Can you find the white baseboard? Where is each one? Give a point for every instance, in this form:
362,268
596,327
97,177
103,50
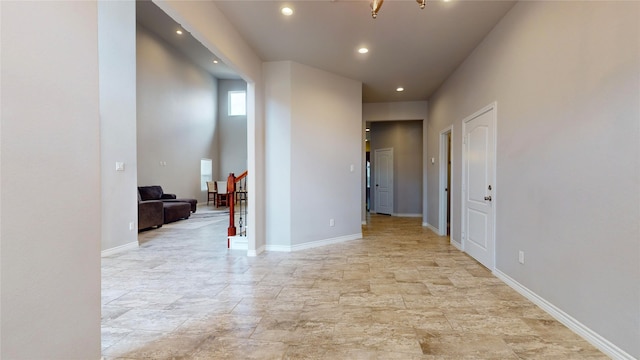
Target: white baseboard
431,227
118,249
256,252
455,244
314,244
407,215
576,326
238,243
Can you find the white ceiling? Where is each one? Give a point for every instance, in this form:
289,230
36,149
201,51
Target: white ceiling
409,47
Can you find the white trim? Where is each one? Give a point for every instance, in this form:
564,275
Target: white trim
238,243
456,244
118,249
576,326
314,244
407,215
254,253
364,222
444,165
431,227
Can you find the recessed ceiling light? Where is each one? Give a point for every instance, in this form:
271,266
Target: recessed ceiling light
400,89
363,50
286,11
215,61
179,32
367,129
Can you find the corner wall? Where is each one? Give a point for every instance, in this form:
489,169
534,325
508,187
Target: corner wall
117,62
50,166
314,156
566,78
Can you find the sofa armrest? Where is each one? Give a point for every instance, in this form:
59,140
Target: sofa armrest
168,196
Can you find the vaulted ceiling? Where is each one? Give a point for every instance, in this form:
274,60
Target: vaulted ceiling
409,47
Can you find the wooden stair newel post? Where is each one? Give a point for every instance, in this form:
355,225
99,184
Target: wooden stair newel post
231,189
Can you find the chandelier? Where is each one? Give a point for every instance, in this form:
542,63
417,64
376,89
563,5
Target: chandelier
377,4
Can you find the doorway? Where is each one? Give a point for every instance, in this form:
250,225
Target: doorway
444,225
383,180
478,185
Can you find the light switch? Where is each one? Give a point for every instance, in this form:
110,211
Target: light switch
433,160
352,168
119,166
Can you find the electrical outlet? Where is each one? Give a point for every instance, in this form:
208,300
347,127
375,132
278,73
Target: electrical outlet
131,225
332,222
521,257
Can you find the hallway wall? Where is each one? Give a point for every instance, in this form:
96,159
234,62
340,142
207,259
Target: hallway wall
565,76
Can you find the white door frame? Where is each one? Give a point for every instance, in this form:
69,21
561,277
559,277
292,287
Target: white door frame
375,179
444,162
493,106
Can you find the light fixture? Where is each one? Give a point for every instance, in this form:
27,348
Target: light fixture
215,61
400,89
367,129
377,4
179,32
286,11
363,50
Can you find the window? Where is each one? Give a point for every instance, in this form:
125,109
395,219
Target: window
237,103
206,173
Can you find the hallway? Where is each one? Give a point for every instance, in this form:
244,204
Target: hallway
400,293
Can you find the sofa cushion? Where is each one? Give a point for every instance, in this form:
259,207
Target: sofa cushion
153,192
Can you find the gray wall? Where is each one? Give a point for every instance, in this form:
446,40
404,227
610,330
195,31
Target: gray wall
565,78
177,106
405,137
117,54
50,175
313,153
232,132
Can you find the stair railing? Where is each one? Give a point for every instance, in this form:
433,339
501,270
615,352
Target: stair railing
237,189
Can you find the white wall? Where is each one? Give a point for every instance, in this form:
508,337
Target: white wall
177,110
207,24
565,76
232,132
50,146
117,61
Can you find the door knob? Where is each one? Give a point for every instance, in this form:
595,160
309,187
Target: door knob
488,198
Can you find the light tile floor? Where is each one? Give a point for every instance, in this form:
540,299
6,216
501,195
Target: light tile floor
400,293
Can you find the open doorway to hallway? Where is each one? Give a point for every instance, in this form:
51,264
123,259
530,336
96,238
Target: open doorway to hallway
444,224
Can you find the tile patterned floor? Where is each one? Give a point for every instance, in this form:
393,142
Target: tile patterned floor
400,293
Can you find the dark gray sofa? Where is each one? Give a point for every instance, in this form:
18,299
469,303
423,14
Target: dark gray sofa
155,192
150,213
156,208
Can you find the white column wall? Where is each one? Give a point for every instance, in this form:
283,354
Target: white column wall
50,166
277,76
117,61
325,155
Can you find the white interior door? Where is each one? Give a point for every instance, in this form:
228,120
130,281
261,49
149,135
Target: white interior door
478,186
383,180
